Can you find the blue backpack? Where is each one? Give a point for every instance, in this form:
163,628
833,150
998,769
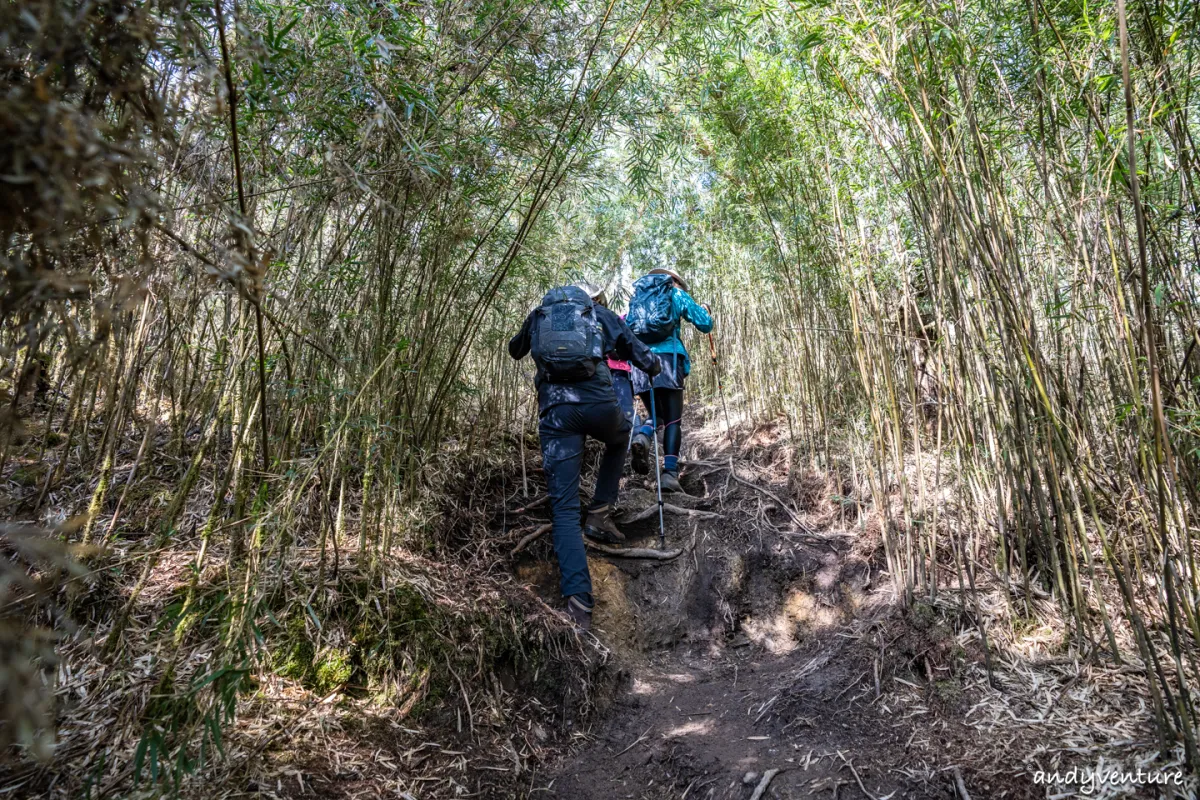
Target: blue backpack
567,345
651,314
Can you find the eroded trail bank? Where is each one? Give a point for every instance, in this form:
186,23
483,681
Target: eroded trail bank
752,656
773,659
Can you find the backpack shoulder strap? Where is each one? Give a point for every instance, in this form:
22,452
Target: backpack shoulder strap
670,295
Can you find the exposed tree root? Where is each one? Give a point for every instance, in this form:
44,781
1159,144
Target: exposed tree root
636,552
537,533
650,511
794,516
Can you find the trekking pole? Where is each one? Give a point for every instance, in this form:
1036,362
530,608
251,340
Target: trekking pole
712,349
662,528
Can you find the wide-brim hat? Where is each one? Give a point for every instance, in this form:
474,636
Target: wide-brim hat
595,292
674,275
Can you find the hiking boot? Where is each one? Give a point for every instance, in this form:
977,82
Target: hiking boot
600,526
639,454
670,482
579,612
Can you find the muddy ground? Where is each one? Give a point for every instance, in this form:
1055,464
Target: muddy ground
767,648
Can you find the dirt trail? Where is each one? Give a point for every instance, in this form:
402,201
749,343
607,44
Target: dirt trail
758,649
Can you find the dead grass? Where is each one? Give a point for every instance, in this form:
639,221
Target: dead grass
1049,703
366,675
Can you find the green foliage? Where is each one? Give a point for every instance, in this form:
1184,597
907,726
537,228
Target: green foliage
168,751
293,656
915,223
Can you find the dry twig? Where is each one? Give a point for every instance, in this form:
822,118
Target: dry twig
857,779
531,505
635,742
767,777
960,785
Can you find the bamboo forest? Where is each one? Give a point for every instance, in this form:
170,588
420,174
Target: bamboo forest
588,399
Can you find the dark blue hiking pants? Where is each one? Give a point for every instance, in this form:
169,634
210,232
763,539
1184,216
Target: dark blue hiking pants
563,430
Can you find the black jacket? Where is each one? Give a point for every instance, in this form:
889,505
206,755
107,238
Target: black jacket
617,339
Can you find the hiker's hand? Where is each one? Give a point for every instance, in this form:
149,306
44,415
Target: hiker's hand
657,367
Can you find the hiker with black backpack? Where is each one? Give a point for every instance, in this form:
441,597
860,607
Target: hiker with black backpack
621,371
660,300
569,336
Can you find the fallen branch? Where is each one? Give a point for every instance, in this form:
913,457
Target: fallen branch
960,784
767,777
530,506
537,532
857,779
635,552
650,511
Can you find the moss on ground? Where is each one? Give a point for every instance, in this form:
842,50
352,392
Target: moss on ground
332,670
949,691
923,615
406,647
29,475
294,656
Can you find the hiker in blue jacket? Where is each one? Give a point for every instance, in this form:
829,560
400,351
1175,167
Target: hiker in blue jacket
660,300
569,336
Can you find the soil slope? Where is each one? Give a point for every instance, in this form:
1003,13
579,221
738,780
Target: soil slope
758,652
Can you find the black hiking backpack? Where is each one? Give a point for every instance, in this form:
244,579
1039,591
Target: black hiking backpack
567,344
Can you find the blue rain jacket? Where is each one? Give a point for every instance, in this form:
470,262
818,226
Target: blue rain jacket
685,308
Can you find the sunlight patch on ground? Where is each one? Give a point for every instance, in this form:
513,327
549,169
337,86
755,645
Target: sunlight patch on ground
641,687
698,727
615,615
808,612
801,613
775,635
